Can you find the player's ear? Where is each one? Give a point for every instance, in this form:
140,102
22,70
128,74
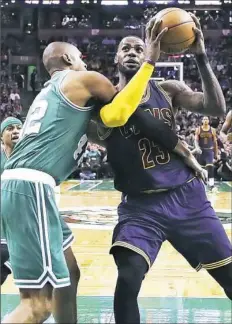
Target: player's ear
67,59
116,59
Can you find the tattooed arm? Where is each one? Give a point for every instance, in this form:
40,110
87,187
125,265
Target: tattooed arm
209,102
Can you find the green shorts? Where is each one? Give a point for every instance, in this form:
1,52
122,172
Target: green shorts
36,235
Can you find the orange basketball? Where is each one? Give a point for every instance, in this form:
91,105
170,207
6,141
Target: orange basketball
180,35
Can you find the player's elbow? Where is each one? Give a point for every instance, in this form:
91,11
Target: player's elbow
218,109
112,117
221,108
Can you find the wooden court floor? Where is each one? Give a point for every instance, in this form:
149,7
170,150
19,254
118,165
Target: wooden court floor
90,209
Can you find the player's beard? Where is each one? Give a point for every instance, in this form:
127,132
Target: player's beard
128,72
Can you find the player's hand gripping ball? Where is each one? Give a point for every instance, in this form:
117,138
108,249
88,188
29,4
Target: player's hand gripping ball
181,30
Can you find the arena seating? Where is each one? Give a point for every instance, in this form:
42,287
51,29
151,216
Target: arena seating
99,54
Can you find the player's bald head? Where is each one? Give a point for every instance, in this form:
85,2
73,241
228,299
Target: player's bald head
61,55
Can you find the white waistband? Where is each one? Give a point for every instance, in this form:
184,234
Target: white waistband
28,175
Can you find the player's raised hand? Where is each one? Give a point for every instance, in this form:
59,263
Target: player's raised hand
198,47
153,39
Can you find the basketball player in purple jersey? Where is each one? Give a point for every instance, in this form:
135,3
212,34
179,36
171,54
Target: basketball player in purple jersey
161,197
207,147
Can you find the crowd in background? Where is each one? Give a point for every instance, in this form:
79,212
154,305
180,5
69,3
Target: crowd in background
127,20
99,55
83,18
10,103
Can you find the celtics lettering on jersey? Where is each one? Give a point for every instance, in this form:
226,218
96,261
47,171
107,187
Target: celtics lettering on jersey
53,138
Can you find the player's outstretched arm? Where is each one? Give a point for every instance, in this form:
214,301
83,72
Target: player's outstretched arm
211,101
119,106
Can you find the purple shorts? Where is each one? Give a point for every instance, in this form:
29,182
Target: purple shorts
183,216
206,158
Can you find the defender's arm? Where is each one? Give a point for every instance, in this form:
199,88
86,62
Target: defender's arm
123,105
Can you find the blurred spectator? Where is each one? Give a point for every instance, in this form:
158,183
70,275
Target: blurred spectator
14,95
223,167
86,171
33,80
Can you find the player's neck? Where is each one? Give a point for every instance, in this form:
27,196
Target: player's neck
123,80
206,127
8,150
52,72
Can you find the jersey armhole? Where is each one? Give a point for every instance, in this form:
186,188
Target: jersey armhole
165,94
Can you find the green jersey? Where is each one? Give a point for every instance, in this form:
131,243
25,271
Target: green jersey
4,158
53,137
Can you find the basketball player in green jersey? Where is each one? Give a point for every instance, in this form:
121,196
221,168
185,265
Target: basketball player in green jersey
52,144
10,128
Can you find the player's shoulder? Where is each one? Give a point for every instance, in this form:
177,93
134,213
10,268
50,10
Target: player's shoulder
76,81
87,79
87,75
173,87
76,75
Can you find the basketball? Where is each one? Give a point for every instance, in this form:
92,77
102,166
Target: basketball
180,34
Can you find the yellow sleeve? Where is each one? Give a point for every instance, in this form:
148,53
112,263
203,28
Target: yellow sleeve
126,102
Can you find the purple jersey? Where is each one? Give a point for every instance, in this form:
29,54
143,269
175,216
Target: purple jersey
139,164
206,140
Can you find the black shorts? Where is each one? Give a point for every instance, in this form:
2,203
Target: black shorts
5,270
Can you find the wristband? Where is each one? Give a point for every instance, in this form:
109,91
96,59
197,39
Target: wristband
150,62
